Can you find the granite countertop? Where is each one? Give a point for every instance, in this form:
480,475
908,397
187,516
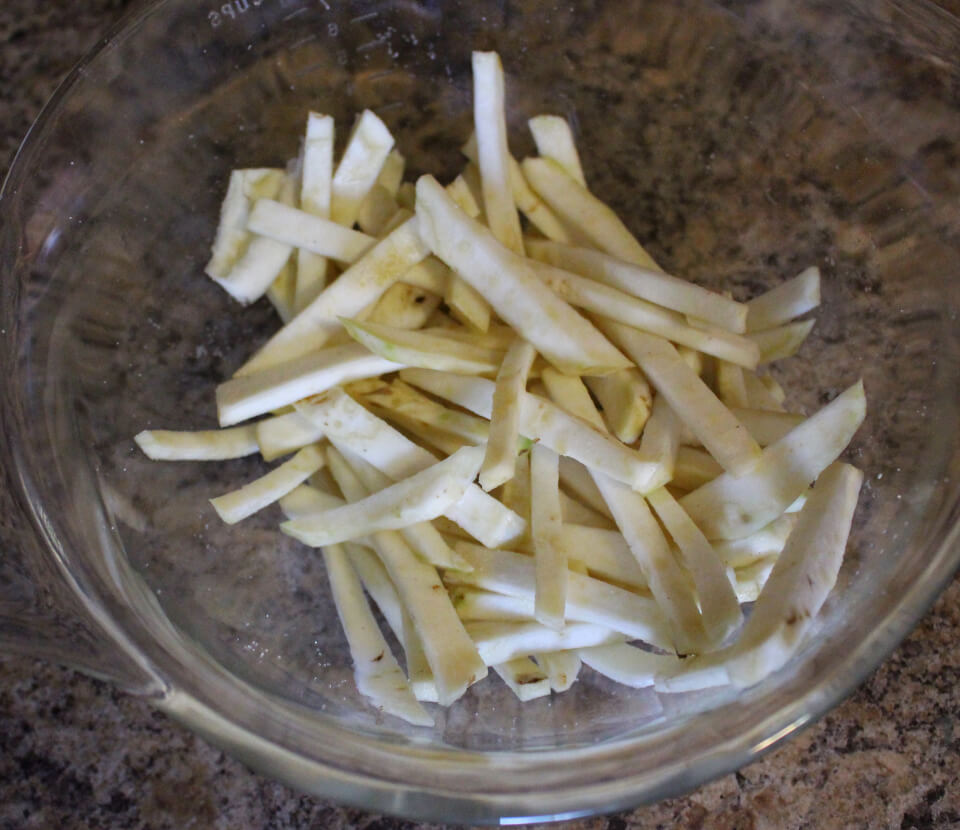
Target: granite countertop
76,753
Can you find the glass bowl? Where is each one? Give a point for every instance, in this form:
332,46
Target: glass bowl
741,142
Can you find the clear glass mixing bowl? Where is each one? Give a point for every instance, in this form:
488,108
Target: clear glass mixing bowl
741,141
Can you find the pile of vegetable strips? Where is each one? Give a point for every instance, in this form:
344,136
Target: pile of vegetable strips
501,421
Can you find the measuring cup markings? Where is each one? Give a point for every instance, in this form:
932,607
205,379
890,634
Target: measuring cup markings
233,9
294,14
303,41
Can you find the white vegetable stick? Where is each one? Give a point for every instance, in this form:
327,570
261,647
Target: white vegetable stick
348,423
660,441
391,174
239,504
466,303
763,543
256,270
694,468
577,479
418,667
471,177
576,512
422,536
475,604
570,394
499,642
404,307
283,434
496,337
783,341
262,262
306,500
610,302
625,399
427,543
661,571
262,182
729,507
204,445
463,197
377,583
419,498
540,216
291,226
647,283
535,209
364,434
720,610
627,664
731,388
692,675
406,196
493,156
323,480
377,674
690,398
578,207
431,275
361,163
588,599
767,427
444,442
663,574
697,360
774,388
355,289
546,523
499,462
562,668
515,493
282,292
788,300
359,287
315,190
418,348
232,237
315,195
402,399
399,218
577,567
452,657
800,580
378,208
285,383
506,281
759,395
554,140
749,579
524,677
543,421
606,555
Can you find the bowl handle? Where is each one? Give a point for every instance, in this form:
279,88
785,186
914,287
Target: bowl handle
42,615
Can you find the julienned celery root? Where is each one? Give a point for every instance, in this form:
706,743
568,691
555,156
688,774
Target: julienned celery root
493,413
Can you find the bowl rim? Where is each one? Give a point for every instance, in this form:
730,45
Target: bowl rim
183,701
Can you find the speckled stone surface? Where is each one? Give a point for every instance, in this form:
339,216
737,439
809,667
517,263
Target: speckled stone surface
75,753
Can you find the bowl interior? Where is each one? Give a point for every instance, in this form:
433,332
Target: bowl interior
733,160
